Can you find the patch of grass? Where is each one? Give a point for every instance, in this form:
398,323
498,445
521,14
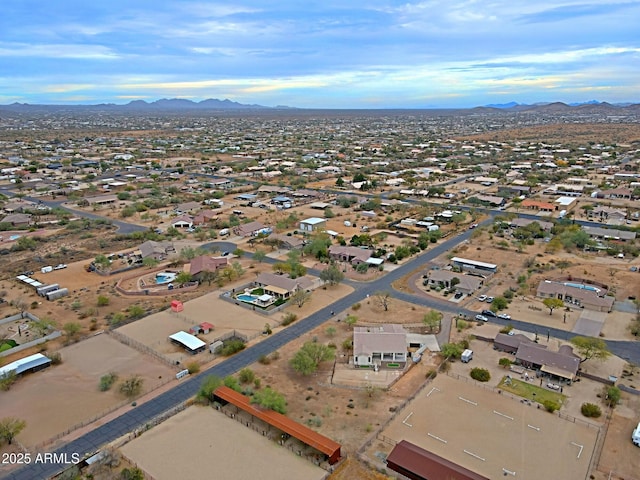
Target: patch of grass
527,390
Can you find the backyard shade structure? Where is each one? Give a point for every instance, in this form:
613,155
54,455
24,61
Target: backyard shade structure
189,342
32,363
321,443
419,464
177,306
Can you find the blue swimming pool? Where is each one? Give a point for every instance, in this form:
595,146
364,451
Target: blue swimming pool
247,298
165,277
582,286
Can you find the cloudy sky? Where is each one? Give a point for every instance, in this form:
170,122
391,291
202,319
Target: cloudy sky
325,54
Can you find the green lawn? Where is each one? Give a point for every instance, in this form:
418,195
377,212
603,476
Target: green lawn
527,389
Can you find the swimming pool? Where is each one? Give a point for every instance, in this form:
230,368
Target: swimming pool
245,297
165,277
582,286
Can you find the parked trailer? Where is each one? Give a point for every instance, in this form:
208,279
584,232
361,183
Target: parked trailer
61,292
42,291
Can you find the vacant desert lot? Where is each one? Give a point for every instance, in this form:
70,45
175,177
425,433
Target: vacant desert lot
54,400
201,442
486,433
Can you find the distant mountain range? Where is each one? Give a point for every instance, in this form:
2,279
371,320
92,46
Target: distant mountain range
182,105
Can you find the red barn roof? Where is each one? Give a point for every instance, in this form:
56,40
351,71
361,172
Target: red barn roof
304,434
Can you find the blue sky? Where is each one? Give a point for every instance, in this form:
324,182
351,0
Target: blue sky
320,54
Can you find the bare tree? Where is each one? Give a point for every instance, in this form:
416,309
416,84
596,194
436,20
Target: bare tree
384,299
300,298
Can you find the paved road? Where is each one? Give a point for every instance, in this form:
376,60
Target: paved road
123,227
92,441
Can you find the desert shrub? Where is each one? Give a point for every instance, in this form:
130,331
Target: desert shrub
550,406
103,301
355,307
232,346
107,381
264,360
55,357
612,396
193,367
590,410
132,386
289,318
431,374
7,380
246,375
480,374
506,329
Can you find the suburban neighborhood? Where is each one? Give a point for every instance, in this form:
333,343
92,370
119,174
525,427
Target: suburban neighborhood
363,295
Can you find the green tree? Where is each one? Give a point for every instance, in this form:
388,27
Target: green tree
451,350
207,387
10,427
499,303
308,358
612,396
332,275
26,243
432,319
259,256
351,320
133,473
183,277
589,347
480,374
43,326
552,304
504,362
270,399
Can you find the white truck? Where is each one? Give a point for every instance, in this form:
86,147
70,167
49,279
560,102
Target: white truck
466,356
635,436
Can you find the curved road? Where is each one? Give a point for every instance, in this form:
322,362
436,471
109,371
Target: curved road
93,440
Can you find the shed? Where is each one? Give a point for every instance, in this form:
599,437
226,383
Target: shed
177,306
32,363
206,327
190,343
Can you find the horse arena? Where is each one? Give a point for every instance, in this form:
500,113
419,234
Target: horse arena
492,434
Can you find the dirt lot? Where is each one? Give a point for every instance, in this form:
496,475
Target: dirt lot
486,433
220,444
53,400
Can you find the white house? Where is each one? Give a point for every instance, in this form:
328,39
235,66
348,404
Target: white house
382,345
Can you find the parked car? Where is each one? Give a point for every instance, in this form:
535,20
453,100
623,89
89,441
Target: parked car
506,316
489,299
481,318
60,266
482,298
224,254
472,226
458,295
488,313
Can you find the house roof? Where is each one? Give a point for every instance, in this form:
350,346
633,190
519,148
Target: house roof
513,341
205,263
561,360
523,222
17,218
425,464
610,233
354,253
182,219
537,204
281,422
293,242
151,247
466,281
381,338
284,282
585,296
248,228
